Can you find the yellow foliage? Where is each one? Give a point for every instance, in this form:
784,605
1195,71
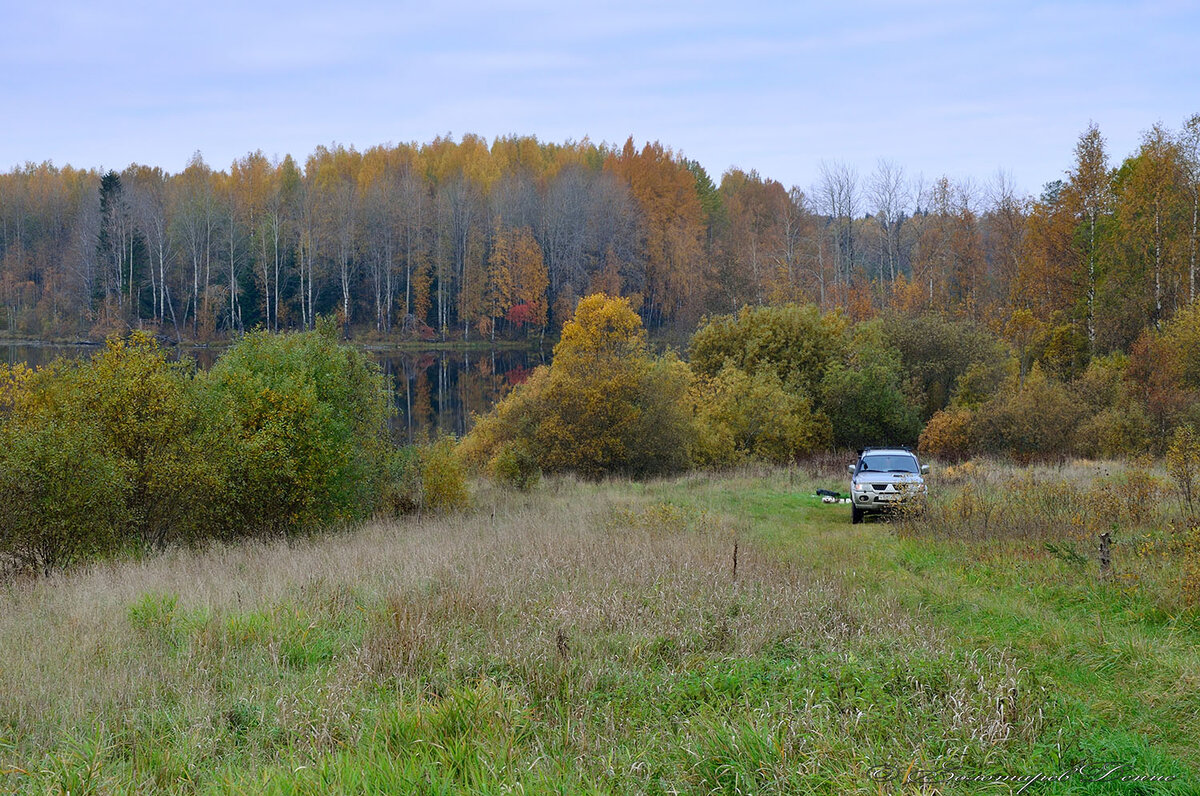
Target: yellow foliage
428,477
605,405
443,479
947,435
958,473
14,386
739,416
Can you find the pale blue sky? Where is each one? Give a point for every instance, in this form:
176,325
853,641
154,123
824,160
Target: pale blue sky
957,88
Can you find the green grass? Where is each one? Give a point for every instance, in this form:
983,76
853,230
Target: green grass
594,639
1121,667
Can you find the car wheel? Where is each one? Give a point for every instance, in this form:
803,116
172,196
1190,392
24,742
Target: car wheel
856,515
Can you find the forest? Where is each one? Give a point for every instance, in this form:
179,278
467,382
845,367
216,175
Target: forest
466,240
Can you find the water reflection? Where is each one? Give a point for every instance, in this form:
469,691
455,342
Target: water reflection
436,392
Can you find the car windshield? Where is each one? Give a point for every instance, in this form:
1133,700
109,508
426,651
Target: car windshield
888,464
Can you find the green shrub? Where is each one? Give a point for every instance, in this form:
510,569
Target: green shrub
796,342
864,397
284,433
1033,420
937,352
304,421
1102,383
140,411
62,496
1115,432
981,381
739,416
514,465
429,477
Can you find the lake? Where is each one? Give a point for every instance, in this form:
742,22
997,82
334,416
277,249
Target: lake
436,392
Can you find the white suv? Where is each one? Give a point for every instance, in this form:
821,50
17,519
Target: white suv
883,479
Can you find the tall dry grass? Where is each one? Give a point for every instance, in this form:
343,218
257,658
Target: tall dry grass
571,606
991,501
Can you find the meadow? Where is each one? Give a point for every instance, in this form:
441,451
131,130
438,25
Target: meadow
707,633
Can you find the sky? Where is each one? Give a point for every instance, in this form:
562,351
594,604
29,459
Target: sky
962,89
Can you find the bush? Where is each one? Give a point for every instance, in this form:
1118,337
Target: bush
1102,384
1183,464
285,433
863,397
936,352
947,435
62,497
443,478
14,386
603,406
513,419
982,380
428,477
739,416
402,490
514,465
1034,420
1116,431
304,425
146,413
140,411
797,343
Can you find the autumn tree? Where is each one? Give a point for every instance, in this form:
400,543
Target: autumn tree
1004,230
498,292
118,246
193,209
1045,283
408,230
754,248
1149,227
336,184
672,225
1189,149
603,406
1087,197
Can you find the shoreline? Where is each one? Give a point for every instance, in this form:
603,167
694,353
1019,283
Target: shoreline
380,346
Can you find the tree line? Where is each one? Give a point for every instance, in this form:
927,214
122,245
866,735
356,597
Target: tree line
462,239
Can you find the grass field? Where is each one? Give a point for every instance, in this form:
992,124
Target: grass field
597,639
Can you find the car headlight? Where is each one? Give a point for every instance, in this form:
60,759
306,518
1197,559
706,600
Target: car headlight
859,487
